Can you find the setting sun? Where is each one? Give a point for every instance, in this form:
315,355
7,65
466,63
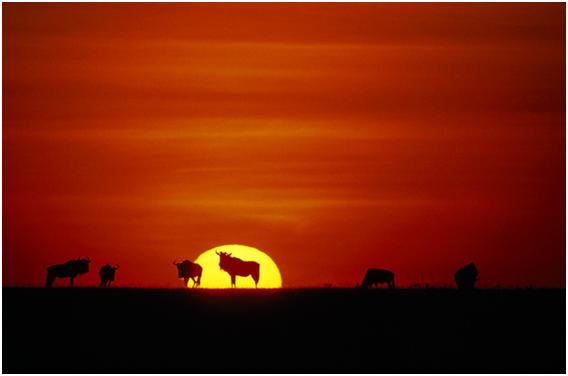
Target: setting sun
214,277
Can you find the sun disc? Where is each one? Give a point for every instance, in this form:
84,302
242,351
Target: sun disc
215,278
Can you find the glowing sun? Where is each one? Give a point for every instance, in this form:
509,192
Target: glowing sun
215,278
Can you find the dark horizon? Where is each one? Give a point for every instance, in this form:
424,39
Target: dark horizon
284,331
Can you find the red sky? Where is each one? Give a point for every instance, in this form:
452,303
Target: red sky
413,137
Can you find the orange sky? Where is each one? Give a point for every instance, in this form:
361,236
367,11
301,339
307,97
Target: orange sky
414,137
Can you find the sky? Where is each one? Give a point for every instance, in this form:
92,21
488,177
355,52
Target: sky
333,137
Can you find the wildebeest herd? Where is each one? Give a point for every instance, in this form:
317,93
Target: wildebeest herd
465,277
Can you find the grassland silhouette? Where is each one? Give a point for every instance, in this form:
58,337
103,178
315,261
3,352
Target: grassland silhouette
305,330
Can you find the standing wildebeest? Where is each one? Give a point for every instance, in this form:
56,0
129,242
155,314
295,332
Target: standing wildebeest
378,276
70,270
466,277
237,267
107,274
189,270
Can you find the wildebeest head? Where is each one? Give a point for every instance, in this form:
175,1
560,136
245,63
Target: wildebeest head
225,259
82,265
467,276
108,268
183,268
471,268
469,271
108,272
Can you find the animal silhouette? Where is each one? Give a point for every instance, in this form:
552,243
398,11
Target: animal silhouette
107,274
237,267
466,277
377,276
70,269
189,270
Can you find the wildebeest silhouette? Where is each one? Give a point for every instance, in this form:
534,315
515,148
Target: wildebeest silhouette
70,269
189,270
107,274
237,267
466,277
378,276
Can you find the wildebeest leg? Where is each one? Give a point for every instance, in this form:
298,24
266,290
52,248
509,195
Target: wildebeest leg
108,283
71,281
233,280
185,280
49,280
256,276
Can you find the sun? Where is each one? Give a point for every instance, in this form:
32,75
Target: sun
215,278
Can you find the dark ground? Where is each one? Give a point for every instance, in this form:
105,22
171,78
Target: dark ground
329,330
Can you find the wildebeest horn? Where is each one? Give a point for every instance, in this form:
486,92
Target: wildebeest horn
229,253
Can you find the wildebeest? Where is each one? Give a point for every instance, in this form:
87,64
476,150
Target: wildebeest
189,270
70,269
378,276
107,274
237,267
466,277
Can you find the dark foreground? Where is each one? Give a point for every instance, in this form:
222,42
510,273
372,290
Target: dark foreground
353,331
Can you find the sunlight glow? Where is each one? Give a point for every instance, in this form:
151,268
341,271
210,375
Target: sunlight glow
214,277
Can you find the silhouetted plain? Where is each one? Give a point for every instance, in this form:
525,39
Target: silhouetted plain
328,330
189,270
107,274
466,277
70,269
375,277
237,267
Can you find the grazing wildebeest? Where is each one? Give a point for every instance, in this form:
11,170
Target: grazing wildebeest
466,277
237,267
378,276
107,274
189,270
70,270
